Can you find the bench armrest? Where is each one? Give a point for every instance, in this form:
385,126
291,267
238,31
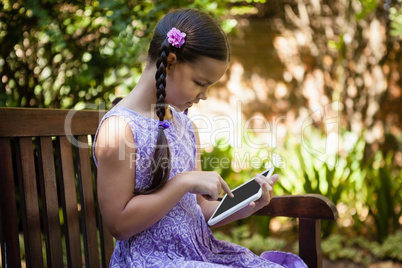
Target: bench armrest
307,206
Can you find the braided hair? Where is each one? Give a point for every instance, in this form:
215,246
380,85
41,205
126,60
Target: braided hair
204,37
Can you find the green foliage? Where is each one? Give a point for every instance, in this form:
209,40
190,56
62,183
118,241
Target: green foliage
329,174
390,248
384,187
395,15
341,247
65,54
368,6
60,54
367,187
360,250
219,159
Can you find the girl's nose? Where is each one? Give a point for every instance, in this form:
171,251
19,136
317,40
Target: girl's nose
202,95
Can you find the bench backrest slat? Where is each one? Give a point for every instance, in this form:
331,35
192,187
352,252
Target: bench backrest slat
48,187
69,202
8,208
29,203
87,202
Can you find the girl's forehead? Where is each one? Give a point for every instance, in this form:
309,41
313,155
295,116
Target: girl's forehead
211,69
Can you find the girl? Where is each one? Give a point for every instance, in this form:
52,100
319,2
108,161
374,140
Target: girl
154,198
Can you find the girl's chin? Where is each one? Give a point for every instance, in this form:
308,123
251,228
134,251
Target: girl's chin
184,106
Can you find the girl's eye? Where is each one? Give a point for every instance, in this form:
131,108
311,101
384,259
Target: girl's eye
198,84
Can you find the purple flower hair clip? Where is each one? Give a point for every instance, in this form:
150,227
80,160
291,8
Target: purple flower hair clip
175,37
163,125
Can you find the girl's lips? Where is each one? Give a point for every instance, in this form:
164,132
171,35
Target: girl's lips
191,103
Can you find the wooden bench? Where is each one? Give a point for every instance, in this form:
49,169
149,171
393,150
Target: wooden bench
48,210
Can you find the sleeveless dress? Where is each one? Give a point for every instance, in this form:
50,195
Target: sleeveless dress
181,238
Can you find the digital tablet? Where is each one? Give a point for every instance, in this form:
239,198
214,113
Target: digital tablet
244,194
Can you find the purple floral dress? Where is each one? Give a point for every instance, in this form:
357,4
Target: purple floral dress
182,237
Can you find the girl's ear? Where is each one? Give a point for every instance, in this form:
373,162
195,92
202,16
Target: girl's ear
172,60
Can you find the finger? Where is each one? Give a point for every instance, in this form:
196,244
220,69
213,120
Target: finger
267,192
271,193
270,188
262,177
226,188
275,178
262,182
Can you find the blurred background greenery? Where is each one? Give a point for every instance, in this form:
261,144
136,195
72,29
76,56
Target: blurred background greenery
290,59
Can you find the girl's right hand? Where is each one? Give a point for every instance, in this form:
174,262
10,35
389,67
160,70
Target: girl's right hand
209,184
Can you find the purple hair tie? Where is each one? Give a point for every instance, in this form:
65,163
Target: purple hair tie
163,125
175,37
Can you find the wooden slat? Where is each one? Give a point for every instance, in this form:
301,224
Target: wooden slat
10,247
50,205
47,122
310,242
309,206
29,206
69,203
87,205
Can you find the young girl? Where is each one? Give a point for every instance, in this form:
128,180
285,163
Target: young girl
154,198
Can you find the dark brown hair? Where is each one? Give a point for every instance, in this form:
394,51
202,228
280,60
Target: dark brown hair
204,37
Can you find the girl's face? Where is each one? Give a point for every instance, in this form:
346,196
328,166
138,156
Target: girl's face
187,83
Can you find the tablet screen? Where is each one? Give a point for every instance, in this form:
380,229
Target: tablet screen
240,194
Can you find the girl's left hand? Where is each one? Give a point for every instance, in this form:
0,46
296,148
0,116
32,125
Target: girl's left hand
267,185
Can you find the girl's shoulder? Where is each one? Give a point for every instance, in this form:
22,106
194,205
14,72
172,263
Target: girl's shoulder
131,117
125,112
